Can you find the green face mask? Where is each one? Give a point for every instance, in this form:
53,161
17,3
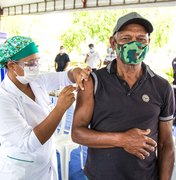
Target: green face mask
132,53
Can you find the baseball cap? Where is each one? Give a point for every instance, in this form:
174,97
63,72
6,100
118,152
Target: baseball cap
130,18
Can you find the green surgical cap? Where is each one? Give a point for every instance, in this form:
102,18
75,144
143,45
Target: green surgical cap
16,48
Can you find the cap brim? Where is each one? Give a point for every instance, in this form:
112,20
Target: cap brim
148,26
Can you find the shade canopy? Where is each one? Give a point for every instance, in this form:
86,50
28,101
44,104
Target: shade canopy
18,7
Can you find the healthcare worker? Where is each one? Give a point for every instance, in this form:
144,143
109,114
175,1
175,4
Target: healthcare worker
27,116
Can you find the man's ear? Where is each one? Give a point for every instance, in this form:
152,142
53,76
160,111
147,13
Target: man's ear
112,42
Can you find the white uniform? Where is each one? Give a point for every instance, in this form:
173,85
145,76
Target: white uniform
93,60
22,156
110,57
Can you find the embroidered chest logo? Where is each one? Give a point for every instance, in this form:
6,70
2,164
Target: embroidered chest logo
145,98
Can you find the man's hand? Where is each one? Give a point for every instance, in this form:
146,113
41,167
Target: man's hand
138,143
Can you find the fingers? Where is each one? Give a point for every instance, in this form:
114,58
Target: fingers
66,97
67,93
68,89
149,148
84,74
145,132
79,82
151,142
139,143
148,140
146,149
142,154
145,152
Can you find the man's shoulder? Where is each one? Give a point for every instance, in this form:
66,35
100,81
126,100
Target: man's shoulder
174,59
159,80
57,56
101,71
65,54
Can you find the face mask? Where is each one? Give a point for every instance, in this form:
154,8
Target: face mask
62,51
132,53
91,50
110,50
30,74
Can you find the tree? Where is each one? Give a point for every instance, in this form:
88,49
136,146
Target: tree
98,25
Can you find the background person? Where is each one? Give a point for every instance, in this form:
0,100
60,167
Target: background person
174,71
62,60
129,110
110,56
93,59
28,118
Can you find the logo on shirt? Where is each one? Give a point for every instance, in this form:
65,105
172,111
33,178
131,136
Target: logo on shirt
145,98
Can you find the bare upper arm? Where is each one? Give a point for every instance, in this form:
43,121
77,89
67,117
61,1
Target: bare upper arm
84,105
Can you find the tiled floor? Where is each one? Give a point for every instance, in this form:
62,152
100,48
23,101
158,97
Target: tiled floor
75,171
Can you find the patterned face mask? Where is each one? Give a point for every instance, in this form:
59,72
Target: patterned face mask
132,53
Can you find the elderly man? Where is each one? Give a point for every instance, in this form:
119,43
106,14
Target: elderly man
130,111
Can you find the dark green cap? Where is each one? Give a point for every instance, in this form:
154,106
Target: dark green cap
130,18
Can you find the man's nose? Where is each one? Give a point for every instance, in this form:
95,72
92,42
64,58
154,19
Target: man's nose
134,38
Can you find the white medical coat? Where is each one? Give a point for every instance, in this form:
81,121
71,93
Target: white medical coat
22,156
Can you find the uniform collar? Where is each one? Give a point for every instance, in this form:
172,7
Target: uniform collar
111,68
11,88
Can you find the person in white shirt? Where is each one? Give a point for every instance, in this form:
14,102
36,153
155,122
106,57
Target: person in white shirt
93,58
28,118
110,56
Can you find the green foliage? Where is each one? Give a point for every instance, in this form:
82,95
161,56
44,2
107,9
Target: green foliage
50,31
98,25
72,39
170,74
163,27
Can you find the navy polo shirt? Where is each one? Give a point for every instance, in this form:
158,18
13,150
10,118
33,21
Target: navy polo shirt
61,60
118,108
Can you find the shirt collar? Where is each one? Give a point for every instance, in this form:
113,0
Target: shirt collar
111,68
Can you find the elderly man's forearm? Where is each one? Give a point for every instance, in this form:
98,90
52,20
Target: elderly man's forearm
166,162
